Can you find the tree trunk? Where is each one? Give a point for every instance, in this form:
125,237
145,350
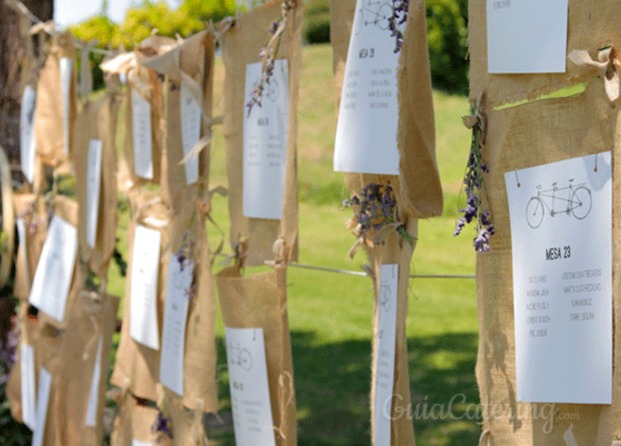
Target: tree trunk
11,52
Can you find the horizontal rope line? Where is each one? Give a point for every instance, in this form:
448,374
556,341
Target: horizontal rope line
363,274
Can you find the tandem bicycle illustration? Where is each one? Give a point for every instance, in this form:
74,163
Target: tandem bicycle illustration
574,200
240,356
374,13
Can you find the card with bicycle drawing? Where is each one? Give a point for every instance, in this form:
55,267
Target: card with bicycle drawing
178,295
526,36
52,280
250,393
28,386
561,239
141,134
143,299
266,130
366,133
191,119
93,187
385,351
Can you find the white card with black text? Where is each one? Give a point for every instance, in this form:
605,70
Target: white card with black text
561,238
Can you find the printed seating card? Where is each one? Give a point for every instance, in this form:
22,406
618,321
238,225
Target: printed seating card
21,234
26,133
175,318
141,132
191,119
93,186
250,395
52,280
27,369
561,237
93,396
366,132
266,130
526,36
140,443
143,299
66,65
43,398
385,351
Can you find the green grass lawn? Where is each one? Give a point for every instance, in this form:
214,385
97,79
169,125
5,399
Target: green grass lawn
331,314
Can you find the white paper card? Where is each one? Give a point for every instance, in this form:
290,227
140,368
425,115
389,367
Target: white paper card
385,348
266,131
93,187
141,133
526,36
366,132
43,398
93,396
27,368
561,236
250,396
21,233
175,317
26,133
140,443
143,298
52,280
65,90
191,118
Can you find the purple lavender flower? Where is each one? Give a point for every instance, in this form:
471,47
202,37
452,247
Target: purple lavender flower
474,186
396,22
162,425
375,208
185,254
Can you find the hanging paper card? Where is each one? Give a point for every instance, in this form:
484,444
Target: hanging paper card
526,36
26,127
43,398
50,287
385,348
143,298
141,126
366,133
175,316
27,369
65,90
562,280
93,186
93,396
141,443
191,119
265,143
250,396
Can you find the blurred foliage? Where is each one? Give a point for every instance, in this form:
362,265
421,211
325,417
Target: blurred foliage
447,33
317,21
140,21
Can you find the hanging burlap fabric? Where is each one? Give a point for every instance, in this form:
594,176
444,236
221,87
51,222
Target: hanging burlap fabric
241,45
31,218
85,347
187,426
96,132
526,135
137,366
260,301
56,104
134,423
416,189
188,68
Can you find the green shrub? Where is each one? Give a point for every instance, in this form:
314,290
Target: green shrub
447,32
317,21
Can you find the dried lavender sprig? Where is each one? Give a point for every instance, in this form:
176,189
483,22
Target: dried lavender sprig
375,209
268,55
396,22
186,253
162,425
474,186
